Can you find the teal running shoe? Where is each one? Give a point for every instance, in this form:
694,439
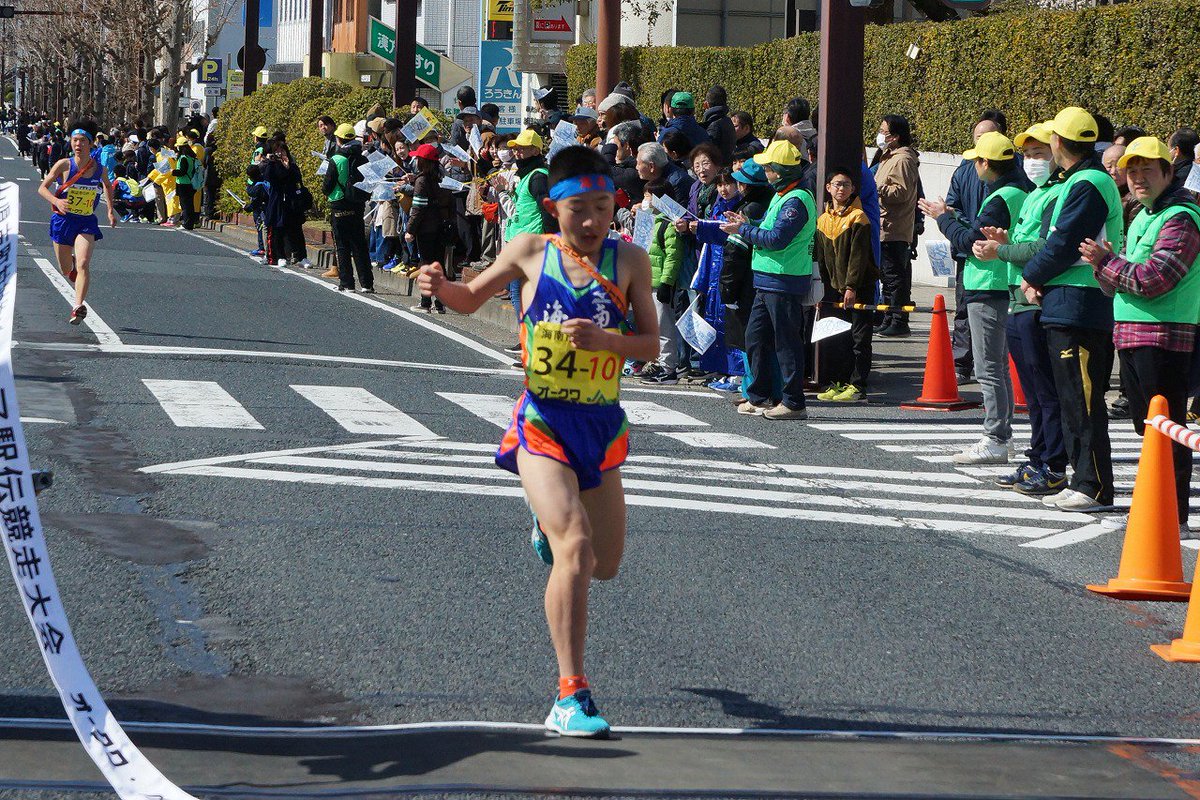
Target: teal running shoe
577,715
541,545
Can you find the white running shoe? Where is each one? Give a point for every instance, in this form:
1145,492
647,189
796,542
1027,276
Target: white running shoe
1071,500
281,262
306,264
985,451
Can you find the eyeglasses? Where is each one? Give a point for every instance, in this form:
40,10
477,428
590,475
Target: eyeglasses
841,184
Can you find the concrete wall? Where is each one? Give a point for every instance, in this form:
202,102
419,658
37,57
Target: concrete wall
936,171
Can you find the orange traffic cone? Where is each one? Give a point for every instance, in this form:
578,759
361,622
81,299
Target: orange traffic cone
1019,404
939,392
1151,561
1187,648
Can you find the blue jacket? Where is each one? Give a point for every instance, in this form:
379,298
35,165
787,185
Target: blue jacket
868,195
965,194
792,218
1083,215
680,182
688,126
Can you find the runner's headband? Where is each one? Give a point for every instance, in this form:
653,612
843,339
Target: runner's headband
581,184
82,132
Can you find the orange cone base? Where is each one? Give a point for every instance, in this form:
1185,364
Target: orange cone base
921,404
1178,650
1141,589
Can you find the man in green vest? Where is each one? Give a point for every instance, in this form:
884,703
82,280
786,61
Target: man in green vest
185,174
1076,314
782,264
1157,295
529,198
1044,470
259,135
346,204
985,288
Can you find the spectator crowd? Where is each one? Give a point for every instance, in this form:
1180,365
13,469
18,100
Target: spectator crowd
1074,244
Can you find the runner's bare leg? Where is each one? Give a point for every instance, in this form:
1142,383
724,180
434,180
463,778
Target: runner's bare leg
84,244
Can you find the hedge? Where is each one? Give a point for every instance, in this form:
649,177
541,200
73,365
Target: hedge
292,108
1134,63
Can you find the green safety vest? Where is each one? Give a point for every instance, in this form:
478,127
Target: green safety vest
527,215
1182,303
1080,273
992,276
255,157
342,165
796,258
1028,227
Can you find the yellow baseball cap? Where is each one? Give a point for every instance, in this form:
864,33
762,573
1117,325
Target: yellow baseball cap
994,146
1075,124
1037,131
181,142
259,133
526,138
1145,147
344,131
780,152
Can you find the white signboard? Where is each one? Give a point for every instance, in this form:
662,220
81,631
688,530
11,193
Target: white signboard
554,23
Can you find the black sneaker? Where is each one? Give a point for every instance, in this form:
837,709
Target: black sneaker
1120,408
665,378
695,375
1022,474
651,371
366,290
513,350
897,330
1043,483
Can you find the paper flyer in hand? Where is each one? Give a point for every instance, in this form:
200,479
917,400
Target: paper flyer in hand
323,168
452,185
417,129
667,205
695,329
826,327
476,140
643,229
456,151
321,156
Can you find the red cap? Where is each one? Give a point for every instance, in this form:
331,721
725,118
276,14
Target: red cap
426,151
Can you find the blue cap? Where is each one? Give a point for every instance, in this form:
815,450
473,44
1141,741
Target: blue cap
751,174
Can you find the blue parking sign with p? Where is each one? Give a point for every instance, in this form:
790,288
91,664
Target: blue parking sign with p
211,70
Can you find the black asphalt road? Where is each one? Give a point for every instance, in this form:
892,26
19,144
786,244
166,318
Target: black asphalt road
392,581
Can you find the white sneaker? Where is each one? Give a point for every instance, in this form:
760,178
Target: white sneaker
306,264
281,262
1051,500
985,451
1118,522
1071,500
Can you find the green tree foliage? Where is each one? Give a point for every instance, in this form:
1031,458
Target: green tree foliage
1134,63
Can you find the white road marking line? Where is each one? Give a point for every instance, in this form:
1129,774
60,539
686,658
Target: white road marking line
359,411
852,503
104,334
200,404
441,330
636,465
43,421
682,504
643,412
903,435
494,408
24,179
460,726
1069,537
715,439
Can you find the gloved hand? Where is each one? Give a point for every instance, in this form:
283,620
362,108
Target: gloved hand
663,293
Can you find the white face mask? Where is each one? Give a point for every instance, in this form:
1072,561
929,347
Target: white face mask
881,141
1038,170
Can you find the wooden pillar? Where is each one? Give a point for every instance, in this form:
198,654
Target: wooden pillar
840,107
404,79
608,46
316,36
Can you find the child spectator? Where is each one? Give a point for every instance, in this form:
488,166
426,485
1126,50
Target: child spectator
847,260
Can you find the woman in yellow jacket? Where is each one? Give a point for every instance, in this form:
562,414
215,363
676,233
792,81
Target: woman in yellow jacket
166,184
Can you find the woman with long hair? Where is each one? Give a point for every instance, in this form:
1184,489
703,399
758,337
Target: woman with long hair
78,180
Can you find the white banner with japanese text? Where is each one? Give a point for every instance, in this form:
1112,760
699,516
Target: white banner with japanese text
130,773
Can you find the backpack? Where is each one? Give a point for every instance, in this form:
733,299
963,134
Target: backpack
300,201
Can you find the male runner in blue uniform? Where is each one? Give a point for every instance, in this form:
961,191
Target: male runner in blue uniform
569,435
79,180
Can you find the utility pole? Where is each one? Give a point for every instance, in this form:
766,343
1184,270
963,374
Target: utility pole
252,63
316,36
608,46
404,79
840,107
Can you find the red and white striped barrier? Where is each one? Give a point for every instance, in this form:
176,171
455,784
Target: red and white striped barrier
1179,433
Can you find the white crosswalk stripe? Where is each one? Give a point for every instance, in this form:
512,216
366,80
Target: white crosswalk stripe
867,499
359,411
200,404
